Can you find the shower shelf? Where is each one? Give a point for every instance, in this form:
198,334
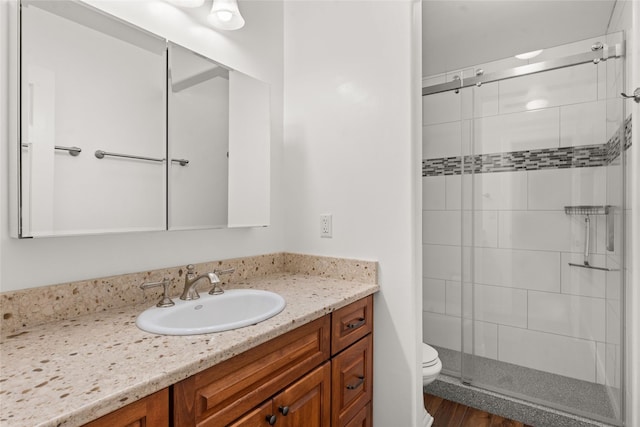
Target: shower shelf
587,210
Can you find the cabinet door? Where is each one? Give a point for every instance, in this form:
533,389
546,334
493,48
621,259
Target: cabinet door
229,390
307,402
262,416
151,411
361,419
352,379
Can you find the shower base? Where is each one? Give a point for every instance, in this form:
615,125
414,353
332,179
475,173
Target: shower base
520,383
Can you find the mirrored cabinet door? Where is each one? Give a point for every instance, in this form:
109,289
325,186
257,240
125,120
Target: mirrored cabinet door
249,151
198,131
90,84
122,130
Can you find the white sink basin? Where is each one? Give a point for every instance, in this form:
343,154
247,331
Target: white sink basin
212,313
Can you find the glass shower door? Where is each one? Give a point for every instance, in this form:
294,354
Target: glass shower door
542,235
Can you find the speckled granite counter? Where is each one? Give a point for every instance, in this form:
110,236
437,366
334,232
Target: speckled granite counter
69,372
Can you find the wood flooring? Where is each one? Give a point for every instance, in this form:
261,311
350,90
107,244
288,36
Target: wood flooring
451,414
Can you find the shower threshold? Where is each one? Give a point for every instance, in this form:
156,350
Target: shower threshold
507,389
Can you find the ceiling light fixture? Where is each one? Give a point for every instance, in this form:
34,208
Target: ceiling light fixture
187,3
226,15
529,55
537,104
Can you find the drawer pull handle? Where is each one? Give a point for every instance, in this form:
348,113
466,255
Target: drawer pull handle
361,321
271,419
357,384
284,410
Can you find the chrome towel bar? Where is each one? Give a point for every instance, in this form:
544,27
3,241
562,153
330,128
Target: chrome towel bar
74,151
183,162
101,154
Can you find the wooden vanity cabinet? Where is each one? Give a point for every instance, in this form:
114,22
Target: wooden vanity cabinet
233,389
318,375
350,323
352,364
305,403
362,418
151,411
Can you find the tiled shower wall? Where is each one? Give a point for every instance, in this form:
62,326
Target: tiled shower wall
540,142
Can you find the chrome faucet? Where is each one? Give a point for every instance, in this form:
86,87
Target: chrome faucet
190,280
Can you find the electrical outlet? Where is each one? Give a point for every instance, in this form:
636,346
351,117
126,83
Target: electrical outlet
326,227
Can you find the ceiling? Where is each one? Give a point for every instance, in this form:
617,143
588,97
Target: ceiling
457,34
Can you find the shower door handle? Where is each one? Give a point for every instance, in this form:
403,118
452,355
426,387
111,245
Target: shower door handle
635,96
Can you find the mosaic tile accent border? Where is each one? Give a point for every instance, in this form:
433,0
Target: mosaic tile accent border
548,158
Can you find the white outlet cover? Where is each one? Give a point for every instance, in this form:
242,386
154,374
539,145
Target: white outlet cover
326,226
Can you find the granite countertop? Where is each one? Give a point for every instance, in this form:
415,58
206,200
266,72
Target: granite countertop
69,372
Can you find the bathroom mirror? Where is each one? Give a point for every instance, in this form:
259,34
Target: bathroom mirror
198,132
121,130
249,151
89,83
219,144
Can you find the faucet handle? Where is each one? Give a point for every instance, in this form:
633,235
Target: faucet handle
215,280
165,301
191,269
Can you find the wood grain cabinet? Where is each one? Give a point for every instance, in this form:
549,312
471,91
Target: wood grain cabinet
233,389
318,375
352,364
305,403
151,411
362,418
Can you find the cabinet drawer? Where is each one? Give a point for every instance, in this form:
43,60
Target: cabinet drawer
352,381
351,323
152,410
223,393
362,418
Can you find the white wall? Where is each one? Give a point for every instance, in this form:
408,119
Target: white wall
257,50
350,150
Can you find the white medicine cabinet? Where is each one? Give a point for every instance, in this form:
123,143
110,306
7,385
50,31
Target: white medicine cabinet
120,130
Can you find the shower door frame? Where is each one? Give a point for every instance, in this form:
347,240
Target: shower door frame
599,53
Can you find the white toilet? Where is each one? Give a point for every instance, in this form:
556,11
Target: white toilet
431,367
